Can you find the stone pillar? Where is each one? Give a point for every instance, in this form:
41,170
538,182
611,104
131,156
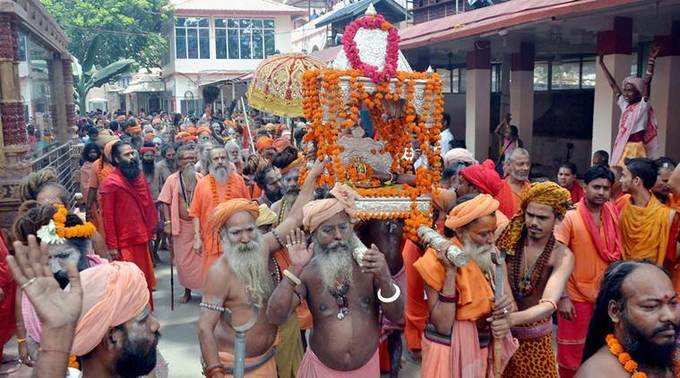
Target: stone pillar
68,97
478,100
663,94
616,46
522,92
13,167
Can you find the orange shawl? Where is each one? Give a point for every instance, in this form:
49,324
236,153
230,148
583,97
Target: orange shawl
472,289
645,230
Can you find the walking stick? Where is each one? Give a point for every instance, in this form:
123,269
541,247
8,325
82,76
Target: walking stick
240,341
251,143
171,245
499,281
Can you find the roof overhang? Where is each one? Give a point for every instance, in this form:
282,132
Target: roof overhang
388,8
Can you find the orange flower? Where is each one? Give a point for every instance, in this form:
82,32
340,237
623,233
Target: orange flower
624,357
630,366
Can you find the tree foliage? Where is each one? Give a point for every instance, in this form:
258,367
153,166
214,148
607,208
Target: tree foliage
104,31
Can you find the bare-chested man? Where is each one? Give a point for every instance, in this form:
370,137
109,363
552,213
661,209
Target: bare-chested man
538,268
240,283
344,297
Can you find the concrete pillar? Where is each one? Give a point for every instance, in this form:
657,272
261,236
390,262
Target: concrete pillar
665,83
522,92
616,46
478,100
56,71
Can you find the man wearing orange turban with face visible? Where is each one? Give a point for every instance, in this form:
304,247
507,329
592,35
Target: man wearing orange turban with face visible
457,340
265,147
244,276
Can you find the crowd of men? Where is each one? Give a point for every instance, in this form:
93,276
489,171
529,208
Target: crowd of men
288,269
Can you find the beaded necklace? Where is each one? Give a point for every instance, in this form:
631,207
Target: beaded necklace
525,283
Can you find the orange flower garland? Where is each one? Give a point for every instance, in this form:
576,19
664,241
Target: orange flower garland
330,116
86,230
624,358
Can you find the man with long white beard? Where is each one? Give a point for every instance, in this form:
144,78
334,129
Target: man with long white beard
221,184
345,297
176,196
466,315
240,282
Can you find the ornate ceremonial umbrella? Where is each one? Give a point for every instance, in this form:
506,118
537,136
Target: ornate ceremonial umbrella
277,84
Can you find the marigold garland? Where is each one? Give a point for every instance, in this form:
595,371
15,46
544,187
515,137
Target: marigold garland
624,358
86,230
323,96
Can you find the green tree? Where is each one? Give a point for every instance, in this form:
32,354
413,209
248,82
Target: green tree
106,32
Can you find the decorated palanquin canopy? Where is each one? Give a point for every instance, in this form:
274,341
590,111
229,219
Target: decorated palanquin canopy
370,74
277,84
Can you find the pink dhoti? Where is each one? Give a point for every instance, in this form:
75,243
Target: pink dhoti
464,357
312,367
187,262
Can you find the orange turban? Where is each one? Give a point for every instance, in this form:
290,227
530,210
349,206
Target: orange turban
468,211
263,143
224,211
319,211
297,163
192,130
281,143
107,148
202,130
112,294
545,193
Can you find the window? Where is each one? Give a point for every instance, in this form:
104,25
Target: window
244,38
541,76
566,75
192,38
588,74
445,76
22,47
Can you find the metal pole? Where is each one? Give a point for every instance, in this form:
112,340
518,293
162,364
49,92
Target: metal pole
222,99
250,134
239,354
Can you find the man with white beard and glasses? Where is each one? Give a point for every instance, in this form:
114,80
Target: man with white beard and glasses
241,281
466,315
176,196
221,184
635,325
345,296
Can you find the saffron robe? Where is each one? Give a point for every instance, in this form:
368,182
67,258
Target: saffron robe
9,287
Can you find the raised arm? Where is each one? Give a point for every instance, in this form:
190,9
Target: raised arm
289,293
647,78
674,181
612,83
551,295
294,218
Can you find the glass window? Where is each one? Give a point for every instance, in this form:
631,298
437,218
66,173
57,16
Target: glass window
258,44
495,78
181,43
541,76
269,43
221,43
192,38
244,38
233,43
245,43
588,74
566,75
192,43
462,85
445,76
204,43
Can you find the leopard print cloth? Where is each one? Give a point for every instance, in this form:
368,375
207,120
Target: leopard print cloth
535,358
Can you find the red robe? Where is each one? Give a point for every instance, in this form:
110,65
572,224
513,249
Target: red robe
576,192
9,287
130,220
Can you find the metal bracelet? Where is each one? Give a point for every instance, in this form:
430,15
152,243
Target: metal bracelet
394,297
212,307
278,238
